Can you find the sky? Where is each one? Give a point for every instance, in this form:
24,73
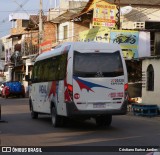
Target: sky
13,6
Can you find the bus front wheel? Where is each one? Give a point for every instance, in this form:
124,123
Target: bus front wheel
34,115
56,119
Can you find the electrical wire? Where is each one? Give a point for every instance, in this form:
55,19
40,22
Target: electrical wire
6,19
144,9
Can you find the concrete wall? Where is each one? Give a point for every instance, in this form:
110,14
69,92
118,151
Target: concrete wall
151,97
49,31
80,27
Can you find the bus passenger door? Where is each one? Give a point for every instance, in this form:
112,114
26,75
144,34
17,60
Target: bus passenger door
34,93
61,105
42,97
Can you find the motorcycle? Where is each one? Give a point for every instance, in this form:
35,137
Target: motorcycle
125,39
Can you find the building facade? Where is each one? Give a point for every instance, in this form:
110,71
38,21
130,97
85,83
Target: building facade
62,15
150,78
82,21
22,45
5,62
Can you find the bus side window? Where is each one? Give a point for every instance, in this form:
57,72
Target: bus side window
62,66
35,73
49,68
55,69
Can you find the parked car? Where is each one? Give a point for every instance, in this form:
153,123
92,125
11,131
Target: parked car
13,88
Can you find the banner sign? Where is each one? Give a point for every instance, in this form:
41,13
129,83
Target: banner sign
128,41
99,34
46,46
104,14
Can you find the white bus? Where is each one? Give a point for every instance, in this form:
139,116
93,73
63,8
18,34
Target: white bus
79,80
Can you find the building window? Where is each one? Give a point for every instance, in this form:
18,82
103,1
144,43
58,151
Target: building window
25,23
15,24
65,28
150,78
3,49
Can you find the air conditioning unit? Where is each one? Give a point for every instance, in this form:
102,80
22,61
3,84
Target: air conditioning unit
133,25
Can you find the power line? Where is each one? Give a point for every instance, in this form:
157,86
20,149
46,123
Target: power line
6,19
134,14
13,11
35,22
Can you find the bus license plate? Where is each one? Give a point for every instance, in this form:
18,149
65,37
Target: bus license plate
99,105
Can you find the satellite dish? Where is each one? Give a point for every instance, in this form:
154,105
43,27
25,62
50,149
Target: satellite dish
125,10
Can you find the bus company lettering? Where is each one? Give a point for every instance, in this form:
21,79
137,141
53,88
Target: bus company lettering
43,89
117,81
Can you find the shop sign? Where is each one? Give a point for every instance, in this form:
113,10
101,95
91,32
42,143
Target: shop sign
99,34
128,41
104,14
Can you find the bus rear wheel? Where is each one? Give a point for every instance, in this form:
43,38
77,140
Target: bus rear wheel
57,120
104,120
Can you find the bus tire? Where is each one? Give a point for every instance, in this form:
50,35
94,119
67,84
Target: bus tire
104,120
57,120
34,115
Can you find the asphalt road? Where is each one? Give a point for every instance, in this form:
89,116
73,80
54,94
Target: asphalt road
20,130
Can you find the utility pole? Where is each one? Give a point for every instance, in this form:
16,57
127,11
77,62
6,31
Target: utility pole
40,26
55,4
118,23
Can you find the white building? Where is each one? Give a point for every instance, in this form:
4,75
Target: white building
151,80
5,54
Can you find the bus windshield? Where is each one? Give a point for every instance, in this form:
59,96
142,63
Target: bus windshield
97,64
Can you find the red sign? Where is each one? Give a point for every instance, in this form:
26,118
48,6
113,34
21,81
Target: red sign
46,46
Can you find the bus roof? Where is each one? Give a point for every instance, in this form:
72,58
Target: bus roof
78,45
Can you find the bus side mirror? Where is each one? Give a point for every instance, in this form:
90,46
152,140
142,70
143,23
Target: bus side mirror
27,78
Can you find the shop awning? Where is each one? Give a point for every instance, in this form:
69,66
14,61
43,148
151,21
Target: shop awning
66,16
74,8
